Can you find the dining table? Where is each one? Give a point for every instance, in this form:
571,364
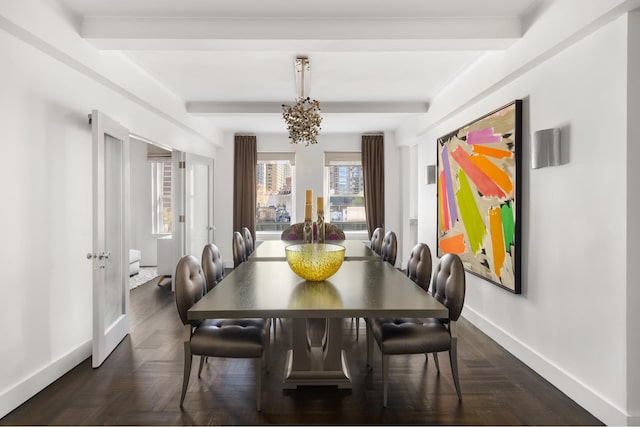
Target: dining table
360,288
273,250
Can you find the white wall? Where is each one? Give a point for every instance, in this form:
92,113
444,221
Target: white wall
569,324
309,175
45,307
633,213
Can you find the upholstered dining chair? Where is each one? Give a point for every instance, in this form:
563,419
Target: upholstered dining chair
249,245
212,265
232,338
376,240
239,250
389,248
293,232
296,232
332,232
213,269
448,286
419,270
419,266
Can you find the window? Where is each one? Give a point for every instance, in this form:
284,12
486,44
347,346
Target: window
274,183
161,216
345,188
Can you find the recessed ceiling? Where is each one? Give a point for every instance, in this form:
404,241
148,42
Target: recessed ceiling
369,58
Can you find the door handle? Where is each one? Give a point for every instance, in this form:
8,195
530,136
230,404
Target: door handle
91,256
104,255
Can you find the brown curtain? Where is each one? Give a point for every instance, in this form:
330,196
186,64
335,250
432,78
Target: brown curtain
373,174
245,158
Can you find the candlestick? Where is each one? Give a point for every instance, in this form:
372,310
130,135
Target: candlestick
307,230
320,226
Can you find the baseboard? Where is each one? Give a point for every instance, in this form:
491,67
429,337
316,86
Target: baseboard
584,396
19,393
633,420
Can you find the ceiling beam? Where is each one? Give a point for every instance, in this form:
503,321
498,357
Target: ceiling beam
393,34
260,108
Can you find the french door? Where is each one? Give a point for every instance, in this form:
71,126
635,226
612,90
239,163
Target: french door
198,203
110,235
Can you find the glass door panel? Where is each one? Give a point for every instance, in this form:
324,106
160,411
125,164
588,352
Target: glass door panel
110,235
114,295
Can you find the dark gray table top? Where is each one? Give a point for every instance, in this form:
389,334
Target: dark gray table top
358,289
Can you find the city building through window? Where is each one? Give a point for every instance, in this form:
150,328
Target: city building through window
274,181
161,215
345,189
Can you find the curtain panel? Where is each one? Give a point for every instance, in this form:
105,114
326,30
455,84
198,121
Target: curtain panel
373,174
245,158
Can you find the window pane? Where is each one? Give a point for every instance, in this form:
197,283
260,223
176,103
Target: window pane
346,195
161,220
273,195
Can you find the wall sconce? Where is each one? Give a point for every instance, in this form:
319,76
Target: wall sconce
430,174
545,148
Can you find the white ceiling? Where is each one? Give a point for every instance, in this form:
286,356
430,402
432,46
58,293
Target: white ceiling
374,64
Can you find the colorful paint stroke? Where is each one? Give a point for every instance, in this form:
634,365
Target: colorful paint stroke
478,194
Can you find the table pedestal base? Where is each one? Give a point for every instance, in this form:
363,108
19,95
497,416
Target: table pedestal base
293,378
314,361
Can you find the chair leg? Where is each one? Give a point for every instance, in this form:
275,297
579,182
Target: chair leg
202,360
274,320
385,378
453,358
357,328
435,359
267,355
258,367
187,370
369,348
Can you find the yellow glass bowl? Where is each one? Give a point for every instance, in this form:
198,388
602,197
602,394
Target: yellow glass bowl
315,261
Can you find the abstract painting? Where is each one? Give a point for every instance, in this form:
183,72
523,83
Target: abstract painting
479,168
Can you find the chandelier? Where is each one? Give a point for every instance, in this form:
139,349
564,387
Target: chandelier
303,118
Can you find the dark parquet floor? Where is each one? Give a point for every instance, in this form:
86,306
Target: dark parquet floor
140,384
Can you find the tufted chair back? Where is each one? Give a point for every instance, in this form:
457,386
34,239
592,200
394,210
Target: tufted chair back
189,286
376,240
448,285
293,232
296,232
212,265
239,250
389,249
419,265
331,232
248,241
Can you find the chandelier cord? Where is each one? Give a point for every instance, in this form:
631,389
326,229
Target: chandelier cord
302,81
302,119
